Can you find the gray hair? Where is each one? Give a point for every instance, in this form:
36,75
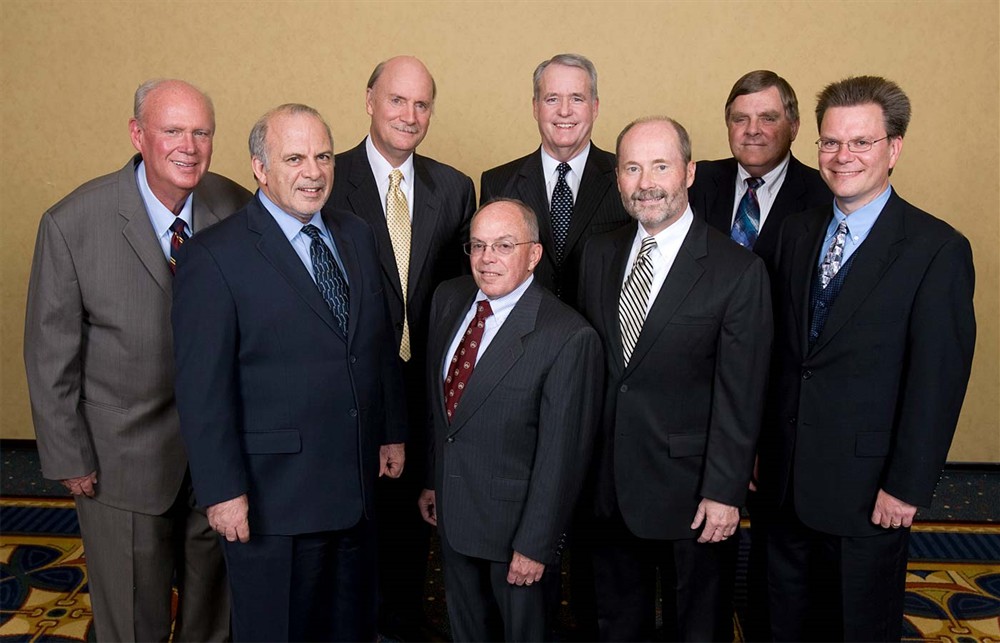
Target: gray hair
527,214
868,90
566,60
759,80
682,134
145,89
258,135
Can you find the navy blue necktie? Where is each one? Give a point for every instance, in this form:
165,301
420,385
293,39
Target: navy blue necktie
747,222
561,211
329,279
177,238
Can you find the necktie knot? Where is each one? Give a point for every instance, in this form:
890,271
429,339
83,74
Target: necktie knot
312,232
178,227
563,169
483,310
754,182
395,178
648,243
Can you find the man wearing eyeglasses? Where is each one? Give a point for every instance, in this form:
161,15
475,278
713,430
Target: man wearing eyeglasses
874,335
514,379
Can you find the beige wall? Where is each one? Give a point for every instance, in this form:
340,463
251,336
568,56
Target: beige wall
69,70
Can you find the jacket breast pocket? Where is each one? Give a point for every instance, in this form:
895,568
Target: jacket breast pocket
872,444
277,441
508,489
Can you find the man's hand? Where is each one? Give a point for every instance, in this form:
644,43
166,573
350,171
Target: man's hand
428,506
390,460
82,486
720,521
523,570
891,512
229,518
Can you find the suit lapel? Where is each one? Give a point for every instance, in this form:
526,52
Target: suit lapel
425,220
614,268
277,251
720,215
531,189
598,177
684,274
502,353
355,277
138,230
870,262
455,308
790,197
802,271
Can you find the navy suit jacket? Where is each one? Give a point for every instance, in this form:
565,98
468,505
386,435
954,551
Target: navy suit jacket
874,403
443,202
714,191
274,400
597,208
681,419
509,466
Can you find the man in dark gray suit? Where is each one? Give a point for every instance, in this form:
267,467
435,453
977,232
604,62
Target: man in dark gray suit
420,221
514,385
762,117
97,347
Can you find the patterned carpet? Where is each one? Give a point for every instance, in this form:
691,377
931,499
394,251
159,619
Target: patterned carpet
953,580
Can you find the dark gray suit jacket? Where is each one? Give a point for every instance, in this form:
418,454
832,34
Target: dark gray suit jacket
714,190
508,469
681,420
874,403
597,208
97,340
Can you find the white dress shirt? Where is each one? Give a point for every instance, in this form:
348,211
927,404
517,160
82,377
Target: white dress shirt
550,170
766,194
381,169
668,244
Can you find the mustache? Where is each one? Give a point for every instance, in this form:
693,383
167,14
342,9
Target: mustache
654,193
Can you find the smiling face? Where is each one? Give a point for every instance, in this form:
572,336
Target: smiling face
400,104
298,175
565,110
652,176
856,178
174,136
760,132
495,274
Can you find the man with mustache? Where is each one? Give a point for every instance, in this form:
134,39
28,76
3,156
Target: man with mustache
97,349
289,392
684,315
419,210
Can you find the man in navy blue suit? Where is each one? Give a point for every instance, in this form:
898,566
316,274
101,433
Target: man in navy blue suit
289,391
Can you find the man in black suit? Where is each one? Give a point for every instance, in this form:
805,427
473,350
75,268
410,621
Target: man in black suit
569,182
289,391
762,116
514,383
420,221
876,329
684,316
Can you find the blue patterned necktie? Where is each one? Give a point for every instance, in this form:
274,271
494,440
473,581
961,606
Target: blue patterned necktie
561,211
831,262
747,221
329,279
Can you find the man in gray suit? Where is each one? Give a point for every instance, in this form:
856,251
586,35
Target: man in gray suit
98,353
514,386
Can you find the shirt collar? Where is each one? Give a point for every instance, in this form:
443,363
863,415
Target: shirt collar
501,305
381,168
674,233
772,179
161,217
860,221
576,164
289,225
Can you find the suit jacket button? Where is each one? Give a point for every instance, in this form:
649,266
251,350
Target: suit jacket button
624,388
354,359
450,440
807,374
353,413
792,421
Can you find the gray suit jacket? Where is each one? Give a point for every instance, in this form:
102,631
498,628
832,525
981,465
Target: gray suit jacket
97,341
509,467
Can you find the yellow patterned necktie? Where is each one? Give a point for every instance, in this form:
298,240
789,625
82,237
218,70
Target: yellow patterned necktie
397,218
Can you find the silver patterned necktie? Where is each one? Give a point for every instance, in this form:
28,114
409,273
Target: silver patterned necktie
635,296
831,262
397,218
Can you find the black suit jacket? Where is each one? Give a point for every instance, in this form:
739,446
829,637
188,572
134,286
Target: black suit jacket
875,402
443,202
714,191
681,420
274,400
597,208
507,470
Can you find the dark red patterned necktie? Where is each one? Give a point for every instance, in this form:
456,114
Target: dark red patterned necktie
464,361
177,240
